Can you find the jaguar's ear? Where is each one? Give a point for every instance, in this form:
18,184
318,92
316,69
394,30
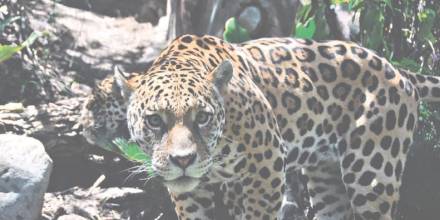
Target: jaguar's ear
222,74
122,85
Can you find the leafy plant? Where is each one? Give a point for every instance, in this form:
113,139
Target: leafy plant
306,23
307,30
234,32
425,112
6,51
133,152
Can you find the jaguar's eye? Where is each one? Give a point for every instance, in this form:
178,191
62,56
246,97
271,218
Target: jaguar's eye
203,118
154,121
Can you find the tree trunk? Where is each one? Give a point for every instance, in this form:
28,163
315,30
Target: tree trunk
56,124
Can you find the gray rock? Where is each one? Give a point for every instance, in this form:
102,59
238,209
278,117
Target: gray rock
24,176
249,18
71,217
96,203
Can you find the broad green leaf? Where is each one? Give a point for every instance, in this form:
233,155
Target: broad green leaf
133,152
234,33
6,51
307,30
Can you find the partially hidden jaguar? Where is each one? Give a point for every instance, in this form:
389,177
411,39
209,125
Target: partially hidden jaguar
238,117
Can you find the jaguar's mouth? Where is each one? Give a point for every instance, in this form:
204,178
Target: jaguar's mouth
182,184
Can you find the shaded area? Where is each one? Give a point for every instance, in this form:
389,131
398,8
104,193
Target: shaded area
87,40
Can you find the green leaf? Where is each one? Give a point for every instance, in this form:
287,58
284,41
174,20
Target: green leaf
234,33
133,152
6,51
307,30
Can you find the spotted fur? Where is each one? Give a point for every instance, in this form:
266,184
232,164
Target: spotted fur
104,113
342,114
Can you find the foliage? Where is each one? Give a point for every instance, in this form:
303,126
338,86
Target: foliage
131,151
382,23
234,33
426,19
6,51
306,30
306,25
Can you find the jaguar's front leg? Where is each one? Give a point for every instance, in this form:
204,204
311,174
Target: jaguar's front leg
254,197
195,205
295,201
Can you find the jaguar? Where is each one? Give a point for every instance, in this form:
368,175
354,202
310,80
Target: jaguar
103,116
238,117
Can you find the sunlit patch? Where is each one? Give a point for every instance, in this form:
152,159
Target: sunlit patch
374,183
182,184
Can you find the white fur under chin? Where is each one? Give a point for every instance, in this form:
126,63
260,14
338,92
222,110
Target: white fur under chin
184,185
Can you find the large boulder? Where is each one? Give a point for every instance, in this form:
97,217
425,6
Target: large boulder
24,176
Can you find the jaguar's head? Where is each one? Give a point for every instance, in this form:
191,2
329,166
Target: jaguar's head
104,114
177,115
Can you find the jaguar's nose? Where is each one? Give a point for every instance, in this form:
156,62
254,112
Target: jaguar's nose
183,161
